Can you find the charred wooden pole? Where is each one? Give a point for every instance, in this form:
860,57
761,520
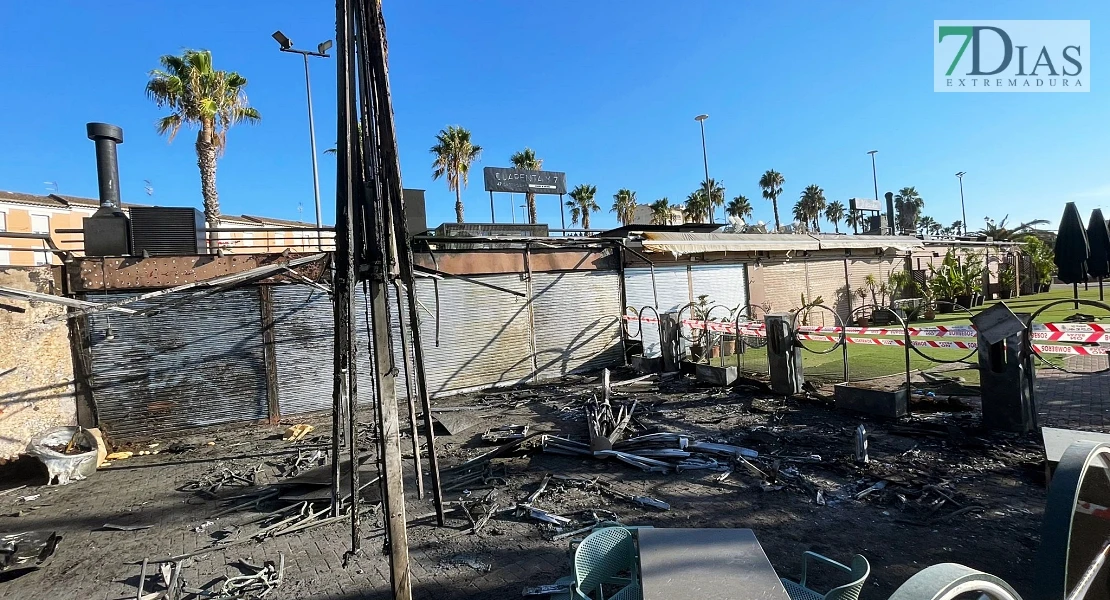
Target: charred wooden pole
384,133
346,267
368,221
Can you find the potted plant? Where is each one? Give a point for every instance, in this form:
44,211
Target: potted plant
1007,277
881,313
929,309
864,319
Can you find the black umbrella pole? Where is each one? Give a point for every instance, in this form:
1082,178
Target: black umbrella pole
1075,294
1100,298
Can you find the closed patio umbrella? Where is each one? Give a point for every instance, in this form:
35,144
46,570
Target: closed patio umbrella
1072,249
1098,238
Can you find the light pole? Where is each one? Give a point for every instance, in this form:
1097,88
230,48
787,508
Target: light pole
875,179
963,210
705,160
322,52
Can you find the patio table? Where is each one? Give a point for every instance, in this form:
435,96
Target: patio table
706,564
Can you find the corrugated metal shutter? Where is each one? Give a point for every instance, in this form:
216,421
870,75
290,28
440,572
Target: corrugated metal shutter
195,365
484,337
303,332
673,287
725,285
576,321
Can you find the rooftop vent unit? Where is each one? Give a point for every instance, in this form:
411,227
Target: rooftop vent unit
168,231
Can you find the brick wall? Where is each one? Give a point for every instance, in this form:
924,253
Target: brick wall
36,365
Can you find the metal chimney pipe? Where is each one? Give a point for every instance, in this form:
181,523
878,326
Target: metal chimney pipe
890,213
107,165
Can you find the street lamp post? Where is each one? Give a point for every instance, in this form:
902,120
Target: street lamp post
322,52
875,179
705,160
963,210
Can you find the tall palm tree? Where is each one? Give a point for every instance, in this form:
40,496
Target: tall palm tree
834,212
697,206
999,231
854,219
454,152
208,99
772,182
526,159
582,203
958,226
813,204
716,195
661,212
908,204
928,225
624,204
740,208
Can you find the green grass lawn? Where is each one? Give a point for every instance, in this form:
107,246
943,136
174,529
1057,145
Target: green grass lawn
1032,303
868,362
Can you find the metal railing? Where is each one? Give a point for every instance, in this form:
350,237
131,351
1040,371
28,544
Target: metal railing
232,240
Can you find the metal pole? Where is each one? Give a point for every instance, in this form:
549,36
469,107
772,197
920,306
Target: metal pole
312,145
492,217
963,209
562,214
512,205
875,179
406,360
705,161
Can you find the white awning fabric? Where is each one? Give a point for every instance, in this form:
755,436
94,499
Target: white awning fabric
689,243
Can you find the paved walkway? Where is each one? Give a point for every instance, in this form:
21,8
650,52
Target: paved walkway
1075,401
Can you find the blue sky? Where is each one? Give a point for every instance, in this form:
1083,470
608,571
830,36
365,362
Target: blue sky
605,91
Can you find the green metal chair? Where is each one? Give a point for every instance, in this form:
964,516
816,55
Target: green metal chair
859,571
606,559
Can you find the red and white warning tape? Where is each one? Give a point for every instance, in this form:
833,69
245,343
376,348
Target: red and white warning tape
1052,332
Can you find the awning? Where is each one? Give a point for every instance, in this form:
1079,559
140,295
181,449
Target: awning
901,243
689,243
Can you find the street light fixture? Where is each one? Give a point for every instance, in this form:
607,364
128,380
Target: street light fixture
705,160
875,179
963,210
322,52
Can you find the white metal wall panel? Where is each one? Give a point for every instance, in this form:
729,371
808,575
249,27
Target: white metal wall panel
576,321
194,365
484,334
725,285
303,331
673,287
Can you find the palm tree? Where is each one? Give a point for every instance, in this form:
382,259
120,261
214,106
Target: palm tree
772,182
801,211
958,226
740,208
813,204
834,212
697,206
454,152
582,203
909,205
200,96
661,212
716,195
854,219
624,204
526,159
1000,233
929,225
